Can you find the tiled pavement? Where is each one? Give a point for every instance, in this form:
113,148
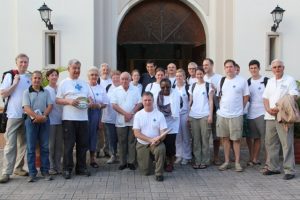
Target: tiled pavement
108,182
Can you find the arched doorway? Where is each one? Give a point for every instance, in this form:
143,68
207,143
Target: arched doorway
163,30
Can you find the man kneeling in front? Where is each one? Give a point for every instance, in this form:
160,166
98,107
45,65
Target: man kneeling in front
149,128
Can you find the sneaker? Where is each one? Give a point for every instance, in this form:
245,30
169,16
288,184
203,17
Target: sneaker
224,166
47,177
238,167
21,172
84,172
121,167
4,178
131,166
67,174
159,178
288,176
184,161
111,160
178,160
31,179
53,172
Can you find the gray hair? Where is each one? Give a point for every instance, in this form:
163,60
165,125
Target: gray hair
277,60
126,74
193,64
74,61
93,69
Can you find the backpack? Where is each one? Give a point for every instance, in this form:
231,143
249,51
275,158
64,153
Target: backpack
187,92
207,90
265,81
13,72
107,87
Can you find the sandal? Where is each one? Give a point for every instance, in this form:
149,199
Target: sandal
94,165
202,166
250,163
195,166
264,169
256,163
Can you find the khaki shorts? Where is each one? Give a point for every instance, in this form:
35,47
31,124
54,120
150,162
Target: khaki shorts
230,127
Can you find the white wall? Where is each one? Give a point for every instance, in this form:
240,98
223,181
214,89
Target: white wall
252,22
22,31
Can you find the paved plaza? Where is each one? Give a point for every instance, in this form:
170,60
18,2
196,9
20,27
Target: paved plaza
108,182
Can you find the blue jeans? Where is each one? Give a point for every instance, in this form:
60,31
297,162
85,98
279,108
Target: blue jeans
111,134
94,119
37,132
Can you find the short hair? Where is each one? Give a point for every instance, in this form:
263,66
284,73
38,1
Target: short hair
93,68
165,80
115,73
37,72
104,64
126,74
209,60
147,93
50,71
228,61
237,65
150,61
172,64
74,61
193,64
21,55
254,62
277,60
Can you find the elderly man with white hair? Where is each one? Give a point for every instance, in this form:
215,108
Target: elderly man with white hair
74,94
126,100
277,133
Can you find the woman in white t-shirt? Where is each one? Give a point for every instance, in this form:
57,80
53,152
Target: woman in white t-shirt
154,88
183,138
168,102
100,100
56,133
200,117
135,75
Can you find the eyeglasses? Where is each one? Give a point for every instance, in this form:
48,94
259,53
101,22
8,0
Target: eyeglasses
191,68
277,67
93,74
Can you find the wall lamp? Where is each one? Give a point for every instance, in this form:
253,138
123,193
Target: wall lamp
277,14
45,13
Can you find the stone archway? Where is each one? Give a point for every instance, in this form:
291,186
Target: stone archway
164,30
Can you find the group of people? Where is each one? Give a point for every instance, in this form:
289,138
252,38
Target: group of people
162,115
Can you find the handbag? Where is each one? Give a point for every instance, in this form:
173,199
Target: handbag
3,118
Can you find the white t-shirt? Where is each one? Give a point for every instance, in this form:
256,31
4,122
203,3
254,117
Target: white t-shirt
154,88
14,107
109,115
233,91
185,99
56,113
139,87
278,88
214,79
256,105
149,123
200,106
127,100
105,82
72,89
192,80
99,94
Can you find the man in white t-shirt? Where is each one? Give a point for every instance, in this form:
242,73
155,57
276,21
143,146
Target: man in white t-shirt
171,69
192,66
126,102
233,94
277,133
256,112
213,79
74,94
148,126
15,147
